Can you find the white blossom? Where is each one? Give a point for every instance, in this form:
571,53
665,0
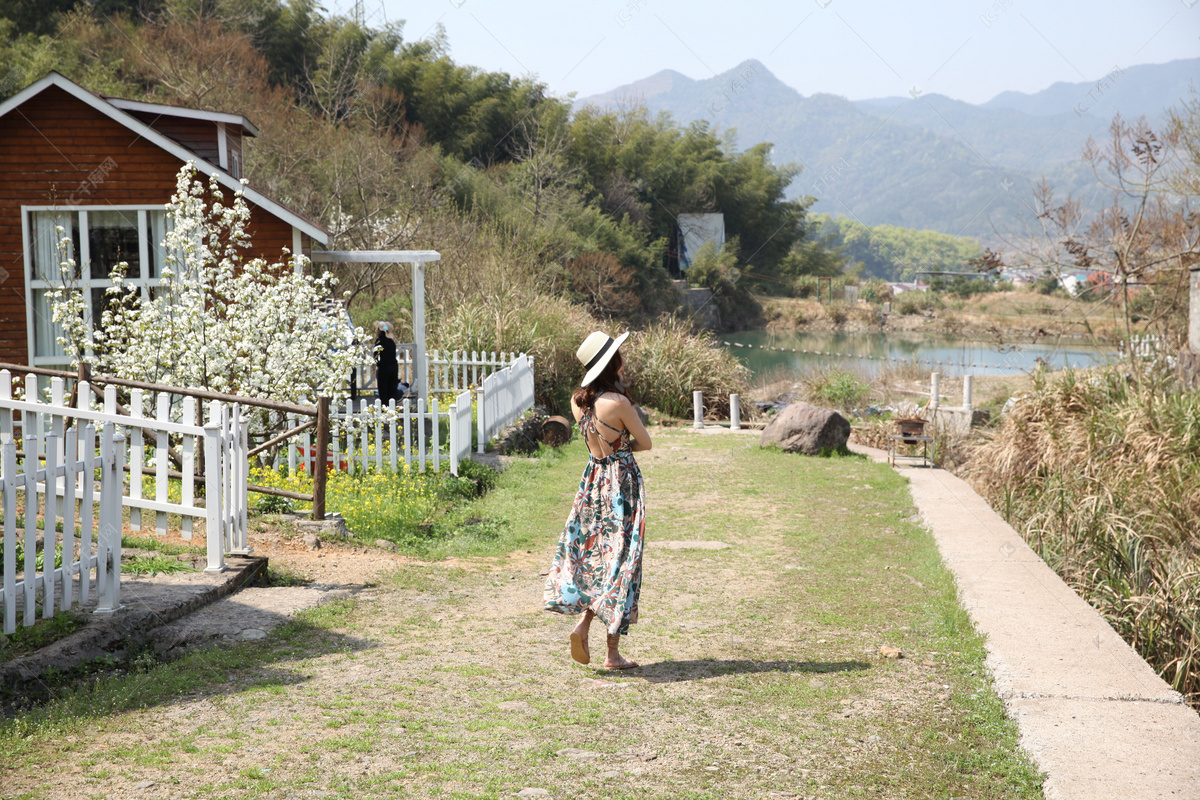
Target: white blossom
218,320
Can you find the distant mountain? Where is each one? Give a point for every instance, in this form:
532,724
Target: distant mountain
923,162
1142,89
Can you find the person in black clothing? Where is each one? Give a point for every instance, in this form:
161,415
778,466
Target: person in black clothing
387,371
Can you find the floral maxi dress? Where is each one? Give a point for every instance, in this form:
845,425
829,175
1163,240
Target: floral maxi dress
598,563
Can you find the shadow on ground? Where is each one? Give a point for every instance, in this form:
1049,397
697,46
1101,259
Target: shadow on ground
699,669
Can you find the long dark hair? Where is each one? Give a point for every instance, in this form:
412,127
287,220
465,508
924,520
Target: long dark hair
606,381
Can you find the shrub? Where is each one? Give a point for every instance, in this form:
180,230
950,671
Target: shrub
667,362
1100,476
836,388
916,302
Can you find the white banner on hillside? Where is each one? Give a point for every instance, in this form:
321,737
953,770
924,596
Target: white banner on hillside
694,231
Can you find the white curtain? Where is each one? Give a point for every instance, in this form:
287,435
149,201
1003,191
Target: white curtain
47,255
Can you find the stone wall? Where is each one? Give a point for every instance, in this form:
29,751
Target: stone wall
699,305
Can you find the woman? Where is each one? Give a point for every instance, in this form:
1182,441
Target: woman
597,569
387,370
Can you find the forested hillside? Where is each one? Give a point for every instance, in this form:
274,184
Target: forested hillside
390,143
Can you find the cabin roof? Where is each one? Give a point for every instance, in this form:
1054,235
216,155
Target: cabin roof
114,110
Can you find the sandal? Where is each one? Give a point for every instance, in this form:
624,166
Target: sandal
579,649
624,663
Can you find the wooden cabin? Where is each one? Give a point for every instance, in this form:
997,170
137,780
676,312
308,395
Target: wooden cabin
103,169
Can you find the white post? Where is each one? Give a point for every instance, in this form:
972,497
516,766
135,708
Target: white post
87,493
967,395
69,567
161,461
697,409
479,411
8,456
136,453
392,432
49,539
735,413
31,509
421,430
454,437
111,489
436,444
188,487
934,391
407,435
213,452
420,368
6,418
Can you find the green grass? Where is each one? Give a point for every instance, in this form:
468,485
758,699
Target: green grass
760,660
41,633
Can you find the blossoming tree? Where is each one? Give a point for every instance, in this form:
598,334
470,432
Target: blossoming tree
217,320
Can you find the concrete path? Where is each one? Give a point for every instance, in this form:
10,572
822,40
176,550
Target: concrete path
1092,713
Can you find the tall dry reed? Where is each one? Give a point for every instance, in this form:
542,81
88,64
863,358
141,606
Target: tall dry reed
667,361
1102,477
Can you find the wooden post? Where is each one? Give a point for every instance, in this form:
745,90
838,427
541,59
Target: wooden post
321,467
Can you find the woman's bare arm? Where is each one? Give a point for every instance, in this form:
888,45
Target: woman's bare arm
633,424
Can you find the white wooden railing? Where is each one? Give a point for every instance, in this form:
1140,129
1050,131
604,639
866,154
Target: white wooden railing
368,436
503,397
449,370
74,469
224,438
453,371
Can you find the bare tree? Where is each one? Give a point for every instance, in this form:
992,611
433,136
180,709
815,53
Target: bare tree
1142,239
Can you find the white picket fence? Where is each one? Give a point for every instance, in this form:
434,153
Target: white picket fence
60,585
368,436
503,397
44,429
453,371
449,370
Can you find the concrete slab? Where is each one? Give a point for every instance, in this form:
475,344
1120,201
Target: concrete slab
250,614
1091,712
148,603
1104,750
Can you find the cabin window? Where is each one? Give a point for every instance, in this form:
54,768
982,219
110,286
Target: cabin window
96,240
235,163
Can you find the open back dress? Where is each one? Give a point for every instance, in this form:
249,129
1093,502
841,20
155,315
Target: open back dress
598,563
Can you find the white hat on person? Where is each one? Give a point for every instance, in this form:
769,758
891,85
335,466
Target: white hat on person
595,353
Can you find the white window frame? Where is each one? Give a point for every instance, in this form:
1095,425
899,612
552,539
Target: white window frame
83,260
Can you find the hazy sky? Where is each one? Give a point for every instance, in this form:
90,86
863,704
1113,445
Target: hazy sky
968,49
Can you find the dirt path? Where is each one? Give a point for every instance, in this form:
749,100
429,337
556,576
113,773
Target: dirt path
762,674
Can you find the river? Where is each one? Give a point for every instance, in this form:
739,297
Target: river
765,352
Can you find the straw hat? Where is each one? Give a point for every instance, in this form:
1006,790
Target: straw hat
595,353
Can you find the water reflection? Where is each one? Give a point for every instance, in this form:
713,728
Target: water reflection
950,355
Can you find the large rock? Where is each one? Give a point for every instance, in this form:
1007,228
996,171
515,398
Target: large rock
806,428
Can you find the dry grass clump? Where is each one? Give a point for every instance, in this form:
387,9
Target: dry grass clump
548,328
667,362
1102,477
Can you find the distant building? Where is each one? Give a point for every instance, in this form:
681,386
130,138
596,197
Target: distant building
916,286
